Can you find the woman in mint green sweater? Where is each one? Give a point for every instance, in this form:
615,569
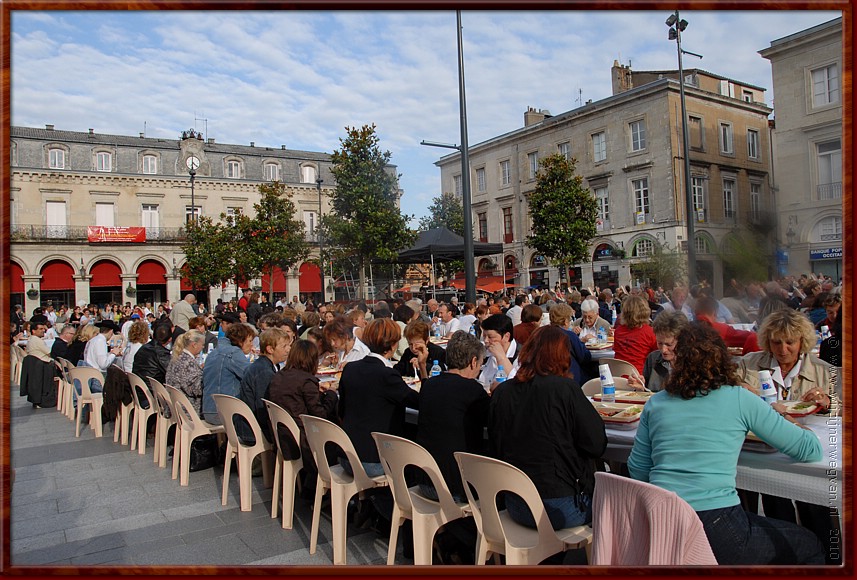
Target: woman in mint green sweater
688,442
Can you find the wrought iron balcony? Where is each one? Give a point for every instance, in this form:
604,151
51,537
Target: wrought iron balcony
829,190
40,233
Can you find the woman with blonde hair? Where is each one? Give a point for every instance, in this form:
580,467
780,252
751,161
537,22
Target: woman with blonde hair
78,344
633,338
183,372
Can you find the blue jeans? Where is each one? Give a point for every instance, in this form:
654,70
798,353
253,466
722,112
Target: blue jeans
372,469
427,490
740,538
563,512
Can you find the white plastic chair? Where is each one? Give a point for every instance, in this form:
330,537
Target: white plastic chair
189,427
68,395
62,385
426,514
228,407
593,386
498,533
140,391
334,478
619,367
639,524
285,470
87,397
166,418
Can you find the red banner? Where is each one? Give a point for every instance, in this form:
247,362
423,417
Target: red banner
122,235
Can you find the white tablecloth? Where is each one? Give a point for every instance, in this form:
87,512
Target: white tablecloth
820,482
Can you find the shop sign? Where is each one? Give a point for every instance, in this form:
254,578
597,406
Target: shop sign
826,254
114,235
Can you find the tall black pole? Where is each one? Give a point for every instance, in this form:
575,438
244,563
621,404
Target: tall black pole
469,270
688,189
192,198
318,233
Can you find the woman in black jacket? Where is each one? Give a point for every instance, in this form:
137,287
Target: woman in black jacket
541,422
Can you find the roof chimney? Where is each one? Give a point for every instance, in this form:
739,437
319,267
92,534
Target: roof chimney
534,116
142,135
283,147
91,131
211,140
49,127
252,143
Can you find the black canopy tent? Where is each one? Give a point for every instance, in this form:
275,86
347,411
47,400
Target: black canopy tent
443,245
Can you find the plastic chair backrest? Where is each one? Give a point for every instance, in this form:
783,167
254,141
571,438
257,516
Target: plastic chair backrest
396,454
138,388
185,411
228,407
83,375
489,477
593,386
162,399
619,367
280,416
318,432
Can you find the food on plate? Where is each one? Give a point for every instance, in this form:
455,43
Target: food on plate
802,406
608,412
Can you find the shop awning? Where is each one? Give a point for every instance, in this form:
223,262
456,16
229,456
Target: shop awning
17,283
57,275
279,281
105,274
151,272
310,278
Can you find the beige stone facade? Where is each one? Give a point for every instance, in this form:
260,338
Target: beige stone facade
64,181
807,72
628,149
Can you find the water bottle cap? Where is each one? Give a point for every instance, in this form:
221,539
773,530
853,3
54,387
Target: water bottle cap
435,362
499,367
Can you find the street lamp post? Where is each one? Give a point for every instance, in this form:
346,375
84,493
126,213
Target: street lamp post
318,183
677,26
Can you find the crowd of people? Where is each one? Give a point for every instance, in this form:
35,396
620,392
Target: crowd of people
514,366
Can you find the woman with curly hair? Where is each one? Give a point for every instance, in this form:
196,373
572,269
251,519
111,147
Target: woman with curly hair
688,441
184,372
634,338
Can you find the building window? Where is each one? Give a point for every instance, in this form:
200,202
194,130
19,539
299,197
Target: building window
825,86
456,185
726,138
55,219
638,135
480,179
311,223
483,226
233,169
150,164
308,174
103,161
747,96
753,144
599,146
272,172
729,198
830,229
727,88
697,186
104,214
755,201
564,149
603,204
533,160
56,159
696,134
701,245
641,199
505,173
190,211
151,220
829,170
232,212
508,232
644,247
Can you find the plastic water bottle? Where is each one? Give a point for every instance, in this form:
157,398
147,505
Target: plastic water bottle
473,329
602,334
817,340
435,330
768,391
608,388
613,313
825,332
435,369
501,374
210,347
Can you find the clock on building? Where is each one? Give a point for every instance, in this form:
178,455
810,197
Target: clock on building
192,163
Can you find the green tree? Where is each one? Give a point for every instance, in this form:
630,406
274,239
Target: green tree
208,253
446,211
563,212
663,267
747,256
366,222
273,238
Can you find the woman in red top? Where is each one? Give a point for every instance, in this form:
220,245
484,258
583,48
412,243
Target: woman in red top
633,338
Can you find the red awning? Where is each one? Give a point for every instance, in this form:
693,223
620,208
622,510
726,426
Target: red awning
151,272
105,273
17,279
186,284
57,275
492,287
483,283
279,281
310,278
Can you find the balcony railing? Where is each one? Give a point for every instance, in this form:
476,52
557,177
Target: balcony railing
38,233
830,190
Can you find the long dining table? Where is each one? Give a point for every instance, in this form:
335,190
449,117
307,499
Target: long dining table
772,472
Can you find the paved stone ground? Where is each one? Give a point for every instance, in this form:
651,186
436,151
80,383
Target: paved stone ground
89,502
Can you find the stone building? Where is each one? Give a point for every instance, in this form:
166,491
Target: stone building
807,72
138,190
628,149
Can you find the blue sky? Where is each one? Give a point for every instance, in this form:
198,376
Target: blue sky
299,77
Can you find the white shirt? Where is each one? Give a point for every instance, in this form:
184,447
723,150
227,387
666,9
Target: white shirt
489,369
447,328
387,362
96,354
52,317
784,383
128,357
465,321
357,352
515,314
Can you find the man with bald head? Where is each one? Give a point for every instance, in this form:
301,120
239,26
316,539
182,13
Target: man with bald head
183,311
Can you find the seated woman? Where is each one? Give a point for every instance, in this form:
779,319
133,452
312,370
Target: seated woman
421,353
296,389
78,344
225,367
688,442
184,372
373,396
659,363
138,335
339,334
582,367
634,338
531,317
541,422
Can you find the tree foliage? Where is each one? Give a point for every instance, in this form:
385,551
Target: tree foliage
663,267
563,212
208,253
446,211
747,256
366,222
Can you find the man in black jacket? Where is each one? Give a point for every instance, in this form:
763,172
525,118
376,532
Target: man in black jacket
153,358
60,347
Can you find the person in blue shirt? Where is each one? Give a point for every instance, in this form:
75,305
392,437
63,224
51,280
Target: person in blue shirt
225,367
689,439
